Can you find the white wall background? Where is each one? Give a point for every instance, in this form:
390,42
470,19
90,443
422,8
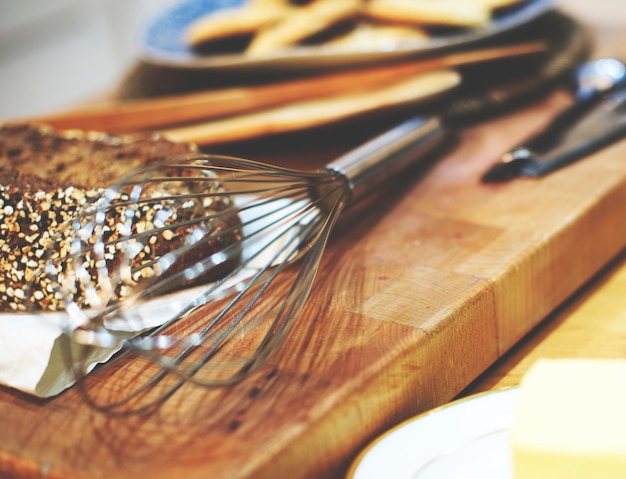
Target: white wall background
55,53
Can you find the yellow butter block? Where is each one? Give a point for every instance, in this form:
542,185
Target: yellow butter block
570,420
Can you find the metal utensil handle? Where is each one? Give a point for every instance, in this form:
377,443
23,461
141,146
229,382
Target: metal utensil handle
386,155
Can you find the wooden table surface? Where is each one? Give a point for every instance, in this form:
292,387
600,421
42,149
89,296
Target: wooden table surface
429,309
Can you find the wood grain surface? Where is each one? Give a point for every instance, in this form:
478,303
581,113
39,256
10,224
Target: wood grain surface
592,322
420,291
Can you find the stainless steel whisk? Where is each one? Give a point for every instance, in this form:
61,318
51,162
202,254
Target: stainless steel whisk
211,334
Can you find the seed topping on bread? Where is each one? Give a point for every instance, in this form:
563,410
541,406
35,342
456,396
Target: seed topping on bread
48,176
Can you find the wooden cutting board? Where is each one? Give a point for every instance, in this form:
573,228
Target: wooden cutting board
419,292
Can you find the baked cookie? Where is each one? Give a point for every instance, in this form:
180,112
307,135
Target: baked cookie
372,37
304,23
429,13
236,22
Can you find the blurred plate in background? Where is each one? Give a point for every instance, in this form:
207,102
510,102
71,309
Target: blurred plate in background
163,43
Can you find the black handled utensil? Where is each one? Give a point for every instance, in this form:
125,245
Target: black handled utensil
596,119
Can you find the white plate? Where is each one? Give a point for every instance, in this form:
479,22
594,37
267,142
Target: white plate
163,44
466,439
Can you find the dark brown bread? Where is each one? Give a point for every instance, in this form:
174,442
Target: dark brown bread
77,158
46,176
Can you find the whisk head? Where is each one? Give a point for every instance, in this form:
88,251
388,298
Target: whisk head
195,269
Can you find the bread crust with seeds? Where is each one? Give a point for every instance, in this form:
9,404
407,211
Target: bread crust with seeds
46,176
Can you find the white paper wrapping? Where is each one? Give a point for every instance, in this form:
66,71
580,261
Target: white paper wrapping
31,345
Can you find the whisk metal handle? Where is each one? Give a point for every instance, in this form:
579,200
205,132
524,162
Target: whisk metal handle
386,155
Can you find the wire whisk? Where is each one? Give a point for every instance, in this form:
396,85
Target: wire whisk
243,243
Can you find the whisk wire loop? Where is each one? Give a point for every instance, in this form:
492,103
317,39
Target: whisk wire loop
243,242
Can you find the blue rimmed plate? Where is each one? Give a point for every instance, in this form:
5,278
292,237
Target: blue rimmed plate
162,42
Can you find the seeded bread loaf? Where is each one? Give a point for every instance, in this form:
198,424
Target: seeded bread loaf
46,176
